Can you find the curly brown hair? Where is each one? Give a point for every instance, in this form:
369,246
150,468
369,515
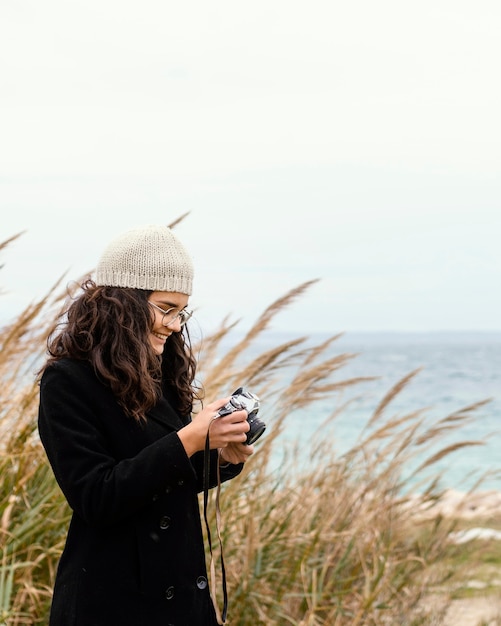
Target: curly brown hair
109,327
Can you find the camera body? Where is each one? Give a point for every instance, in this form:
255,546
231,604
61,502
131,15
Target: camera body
242,399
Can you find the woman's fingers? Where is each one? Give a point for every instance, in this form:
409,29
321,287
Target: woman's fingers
229,429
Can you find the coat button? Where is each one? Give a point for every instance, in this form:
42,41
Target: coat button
169,593
180,482
164,522
201,582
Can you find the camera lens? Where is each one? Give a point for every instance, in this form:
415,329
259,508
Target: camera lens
257,428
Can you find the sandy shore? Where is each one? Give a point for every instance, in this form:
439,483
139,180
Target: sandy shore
474,612
478,505
482,507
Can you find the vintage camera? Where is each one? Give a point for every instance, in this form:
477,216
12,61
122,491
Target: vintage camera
242,399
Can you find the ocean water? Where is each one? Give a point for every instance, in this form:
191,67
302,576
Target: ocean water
457,370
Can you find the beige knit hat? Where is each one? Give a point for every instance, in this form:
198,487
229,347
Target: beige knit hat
150,257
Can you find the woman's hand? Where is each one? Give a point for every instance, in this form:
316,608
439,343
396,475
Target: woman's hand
223,431
235,453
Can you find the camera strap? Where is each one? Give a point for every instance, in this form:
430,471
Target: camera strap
221,617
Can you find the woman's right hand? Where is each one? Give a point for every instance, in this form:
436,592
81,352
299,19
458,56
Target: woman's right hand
231,428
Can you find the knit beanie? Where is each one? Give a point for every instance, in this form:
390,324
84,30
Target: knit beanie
150,257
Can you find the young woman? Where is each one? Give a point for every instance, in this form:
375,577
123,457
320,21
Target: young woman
116,396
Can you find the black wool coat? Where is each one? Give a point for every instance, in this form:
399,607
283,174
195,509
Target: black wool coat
134,553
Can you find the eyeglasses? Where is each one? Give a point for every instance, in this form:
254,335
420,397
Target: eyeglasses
171,315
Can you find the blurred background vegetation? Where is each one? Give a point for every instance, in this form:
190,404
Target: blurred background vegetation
342,540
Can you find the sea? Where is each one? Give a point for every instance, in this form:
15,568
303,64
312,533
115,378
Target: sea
454,370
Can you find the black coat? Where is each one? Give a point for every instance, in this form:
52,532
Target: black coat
134,554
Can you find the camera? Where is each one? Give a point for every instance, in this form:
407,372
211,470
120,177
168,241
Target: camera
242,399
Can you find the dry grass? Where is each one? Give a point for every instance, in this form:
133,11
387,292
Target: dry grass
336,543
331,543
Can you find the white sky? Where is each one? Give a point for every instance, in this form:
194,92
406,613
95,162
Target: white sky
354,142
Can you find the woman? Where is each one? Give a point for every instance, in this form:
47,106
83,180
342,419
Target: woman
116,394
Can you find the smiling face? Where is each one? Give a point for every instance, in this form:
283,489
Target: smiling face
161,331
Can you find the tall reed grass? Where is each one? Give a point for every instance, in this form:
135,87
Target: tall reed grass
335,542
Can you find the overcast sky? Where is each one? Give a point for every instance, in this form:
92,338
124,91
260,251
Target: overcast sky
353,142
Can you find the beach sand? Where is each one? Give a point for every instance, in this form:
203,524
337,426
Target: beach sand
474,612
477,507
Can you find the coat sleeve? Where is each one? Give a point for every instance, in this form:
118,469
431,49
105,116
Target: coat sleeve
100,487
227,472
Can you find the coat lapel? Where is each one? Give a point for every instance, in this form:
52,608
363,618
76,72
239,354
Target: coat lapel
164,414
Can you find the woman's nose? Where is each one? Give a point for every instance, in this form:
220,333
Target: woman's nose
175,325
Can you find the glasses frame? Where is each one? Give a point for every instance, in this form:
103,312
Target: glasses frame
183,315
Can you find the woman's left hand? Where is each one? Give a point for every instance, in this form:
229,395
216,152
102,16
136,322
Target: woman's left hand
235,453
